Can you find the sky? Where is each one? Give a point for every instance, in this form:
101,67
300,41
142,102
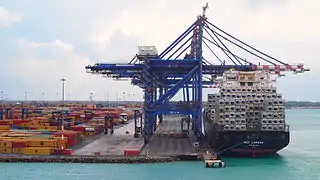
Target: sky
44,41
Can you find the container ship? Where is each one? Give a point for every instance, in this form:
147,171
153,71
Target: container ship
247,116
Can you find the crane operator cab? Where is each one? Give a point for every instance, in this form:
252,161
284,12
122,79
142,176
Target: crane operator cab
123,118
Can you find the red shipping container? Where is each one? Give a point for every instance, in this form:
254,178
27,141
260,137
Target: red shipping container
19,121
4,122
67,152
71,142
54,123
87,116
132,152
78,128
18,144
63,152
71,137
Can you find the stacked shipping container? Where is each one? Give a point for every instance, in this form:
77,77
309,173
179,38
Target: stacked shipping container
38,131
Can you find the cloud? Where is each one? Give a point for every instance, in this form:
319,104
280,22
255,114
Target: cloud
257,4
7,17
39,67
37,52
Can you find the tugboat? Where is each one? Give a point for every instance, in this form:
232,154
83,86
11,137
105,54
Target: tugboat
213,161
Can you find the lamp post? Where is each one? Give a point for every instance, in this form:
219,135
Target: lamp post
2,99
2,95
91,97
106,99
63,80
118,99
43,98
25,97
129,96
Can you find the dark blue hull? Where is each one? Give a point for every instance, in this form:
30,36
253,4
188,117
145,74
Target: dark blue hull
246,143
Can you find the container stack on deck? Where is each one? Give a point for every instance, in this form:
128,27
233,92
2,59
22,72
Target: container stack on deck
247,108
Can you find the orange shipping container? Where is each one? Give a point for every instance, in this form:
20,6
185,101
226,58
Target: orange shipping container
17,150
5,127
47,127
37,151
6,144
45,124
5,150
42,143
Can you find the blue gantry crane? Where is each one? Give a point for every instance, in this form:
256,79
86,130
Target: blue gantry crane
182,66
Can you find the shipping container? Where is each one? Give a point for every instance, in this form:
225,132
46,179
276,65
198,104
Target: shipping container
19,143
6,150
90,133
37,151
17,150
6,144
42,143
4,127
63,152
131,152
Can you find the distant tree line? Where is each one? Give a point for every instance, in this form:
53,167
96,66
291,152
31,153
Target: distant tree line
302,104
292,104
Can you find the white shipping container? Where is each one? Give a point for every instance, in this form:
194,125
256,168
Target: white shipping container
88,129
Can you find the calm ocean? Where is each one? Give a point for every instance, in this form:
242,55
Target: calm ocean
299,161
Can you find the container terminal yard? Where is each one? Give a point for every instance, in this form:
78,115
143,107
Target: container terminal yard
159,127
23,129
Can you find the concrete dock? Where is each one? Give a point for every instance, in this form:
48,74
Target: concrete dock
165,141
113,144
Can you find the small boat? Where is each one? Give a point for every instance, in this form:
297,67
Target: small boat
215,163
212,160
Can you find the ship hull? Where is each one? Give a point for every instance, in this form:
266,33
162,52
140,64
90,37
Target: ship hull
246,143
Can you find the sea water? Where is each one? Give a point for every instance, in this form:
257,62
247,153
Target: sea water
299,161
